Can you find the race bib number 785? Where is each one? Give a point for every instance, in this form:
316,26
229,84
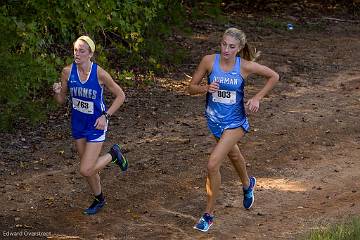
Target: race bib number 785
223,96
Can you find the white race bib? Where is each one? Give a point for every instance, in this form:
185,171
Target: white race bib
223,96
83,106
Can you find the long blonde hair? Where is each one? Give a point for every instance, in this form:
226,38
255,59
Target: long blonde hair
247,52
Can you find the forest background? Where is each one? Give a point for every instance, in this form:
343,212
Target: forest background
134,40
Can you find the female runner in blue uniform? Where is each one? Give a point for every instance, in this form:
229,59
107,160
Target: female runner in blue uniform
225,111
85,81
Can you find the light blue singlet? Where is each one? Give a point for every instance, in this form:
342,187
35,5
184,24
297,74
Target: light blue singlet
225,108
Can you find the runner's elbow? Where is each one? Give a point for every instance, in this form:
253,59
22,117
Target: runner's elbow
192,89
59,100
275,78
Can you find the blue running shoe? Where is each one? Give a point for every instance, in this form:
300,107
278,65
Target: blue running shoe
119,158
205,222
95,207
249,194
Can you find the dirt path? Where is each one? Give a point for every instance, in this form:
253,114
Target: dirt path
304,150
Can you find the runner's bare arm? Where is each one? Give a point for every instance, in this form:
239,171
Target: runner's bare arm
248,68
107,80
60,88
204,68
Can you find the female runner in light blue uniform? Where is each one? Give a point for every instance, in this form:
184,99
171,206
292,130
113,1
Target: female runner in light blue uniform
225,111
85,82
225,107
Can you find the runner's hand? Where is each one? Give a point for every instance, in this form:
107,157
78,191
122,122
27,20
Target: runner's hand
57,87
213,87
253,104
101,122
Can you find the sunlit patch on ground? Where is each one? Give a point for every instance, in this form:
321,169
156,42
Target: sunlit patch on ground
281,184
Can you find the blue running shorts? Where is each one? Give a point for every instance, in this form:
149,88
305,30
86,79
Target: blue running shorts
94,135
217,129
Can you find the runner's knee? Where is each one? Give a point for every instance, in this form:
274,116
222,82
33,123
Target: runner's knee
234,153
213,166
86,171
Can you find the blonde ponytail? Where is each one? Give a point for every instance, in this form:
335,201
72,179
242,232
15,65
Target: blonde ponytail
247,52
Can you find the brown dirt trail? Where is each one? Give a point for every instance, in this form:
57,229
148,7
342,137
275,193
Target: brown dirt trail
304,149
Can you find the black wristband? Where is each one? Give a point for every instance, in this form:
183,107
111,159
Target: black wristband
107,116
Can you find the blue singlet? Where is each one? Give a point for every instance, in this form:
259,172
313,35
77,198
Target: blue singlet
225,108
87,105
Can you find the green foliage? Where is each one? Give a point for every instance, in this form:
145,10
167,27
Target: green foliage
126,77
170,18
345,231
24,78
210,8
130,79
37,39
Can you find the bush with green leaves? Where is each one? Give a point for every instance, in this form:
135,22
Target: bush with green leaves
24,77
37,38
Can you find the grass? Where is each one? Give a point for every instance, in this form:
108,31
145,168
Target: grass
349,230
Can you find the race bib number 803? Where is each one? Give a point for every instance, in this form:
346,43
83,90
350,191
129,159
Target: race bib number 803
83,106
226,97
